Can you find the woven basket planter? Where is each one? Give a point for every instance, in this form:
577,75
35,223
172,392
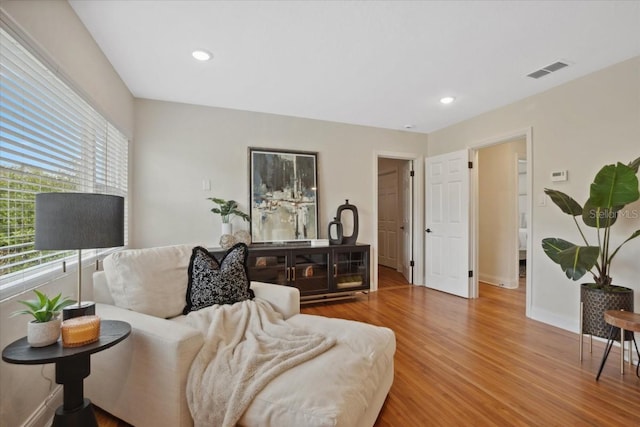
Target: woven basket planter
596,302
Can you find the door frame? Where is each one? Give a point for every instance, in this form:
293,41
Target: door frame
417,219
526,134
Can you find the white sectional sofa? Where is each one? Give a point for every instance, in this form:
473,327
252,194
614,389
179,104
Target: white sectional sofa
142,380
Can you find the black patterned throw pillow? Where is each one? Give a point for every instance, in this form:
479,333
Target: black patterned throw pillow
212,282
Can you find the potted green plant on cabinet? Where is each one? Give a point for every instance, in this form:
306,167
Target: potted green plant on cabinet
44,329
613,188
227,209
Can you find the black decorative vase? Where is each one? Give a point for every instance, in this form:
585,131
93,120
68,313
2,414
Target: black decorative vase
596,302
349,240
337,226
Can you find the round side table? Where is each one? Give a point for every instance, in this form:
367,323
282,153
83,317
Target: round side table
625,321
73,365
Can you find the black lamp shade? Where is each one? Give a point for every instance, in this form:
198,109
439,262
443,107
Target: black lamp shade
79,221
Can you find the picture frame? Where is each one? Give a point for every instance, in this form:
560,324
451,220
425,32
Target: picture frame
283,193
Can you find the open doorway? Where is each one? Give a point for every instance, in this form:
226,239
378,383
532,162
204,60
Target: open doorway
501,210
395,223
502,223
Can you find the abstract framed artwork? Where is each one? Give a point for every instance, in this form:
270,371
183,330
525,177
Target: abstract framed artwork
284,195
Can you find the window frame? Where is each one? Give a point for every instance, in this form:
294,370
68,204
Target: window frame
108,173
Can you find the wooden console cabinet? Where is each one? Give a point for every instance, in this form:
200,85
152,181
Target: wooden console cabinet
319,272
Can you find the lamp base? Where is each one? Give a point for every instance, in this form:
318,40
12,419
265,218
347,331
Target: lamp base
85,308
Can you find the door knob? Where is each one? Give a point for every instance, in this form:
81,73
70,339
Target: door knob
428,230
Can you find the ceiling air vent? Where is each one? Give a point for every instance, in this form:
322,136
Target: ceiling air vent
547,70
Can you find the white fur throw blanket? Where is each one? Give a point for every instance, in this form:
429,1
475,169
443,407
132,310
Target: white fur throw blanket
246,345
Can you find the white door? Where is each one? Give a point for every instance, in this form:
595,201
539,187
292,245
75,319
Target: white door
387,219
406,227
447,223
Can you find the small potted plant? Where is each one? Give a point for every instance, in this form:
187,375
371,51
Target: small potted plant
227,209
44,329
613,187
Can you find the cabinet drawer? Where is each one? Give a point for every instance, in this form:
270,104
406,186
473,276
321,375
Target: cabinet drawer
268,268
311,272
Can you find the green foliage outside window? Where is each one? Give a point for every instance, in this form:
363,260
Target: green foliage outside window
18,189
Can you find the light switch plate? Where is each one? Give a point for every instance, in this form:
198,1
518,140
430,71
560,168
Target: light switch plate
542,199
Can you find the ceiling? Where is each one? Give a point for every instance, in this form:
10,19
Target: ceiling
384,64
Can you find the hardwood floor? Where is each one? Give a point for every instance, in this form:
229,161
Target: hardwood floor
107,420
389,278
483,363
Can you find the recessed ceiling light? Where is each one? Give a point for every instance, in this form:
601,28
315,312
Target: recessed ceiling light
447,99
201,55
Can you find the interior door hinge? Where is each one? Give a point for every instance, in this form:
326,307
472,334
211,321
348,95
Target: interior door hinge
412,173
412,264
470,165
470,273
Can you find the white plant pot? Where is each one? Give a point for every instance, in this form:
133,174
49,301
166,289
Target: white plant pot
227,228
43,334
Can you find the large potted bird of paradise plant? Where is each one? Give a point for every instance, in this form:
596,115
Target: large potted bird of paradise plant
614,187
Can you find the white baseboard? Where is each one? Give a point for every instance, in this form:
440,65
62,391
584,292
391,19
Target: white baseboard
43,415
553,319
497,281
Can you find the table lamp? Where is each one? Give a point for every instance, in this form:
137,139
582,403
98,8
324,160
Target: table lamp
79,221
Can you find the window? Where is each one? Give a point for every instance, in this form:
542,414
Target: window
51,140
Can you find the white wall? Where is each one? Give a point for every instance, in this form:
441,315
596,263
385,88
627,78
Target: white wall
578,126
178,146
55,30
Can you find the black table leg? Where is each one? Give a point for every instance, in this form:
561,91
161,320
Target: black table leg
607,349
638,353
76,411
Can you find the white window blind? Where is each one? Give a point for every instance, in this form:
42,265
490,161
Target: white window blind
51,140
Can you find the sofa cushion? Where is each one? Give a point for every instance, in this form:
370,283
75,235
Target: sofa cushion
151,281
335,388
212,282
